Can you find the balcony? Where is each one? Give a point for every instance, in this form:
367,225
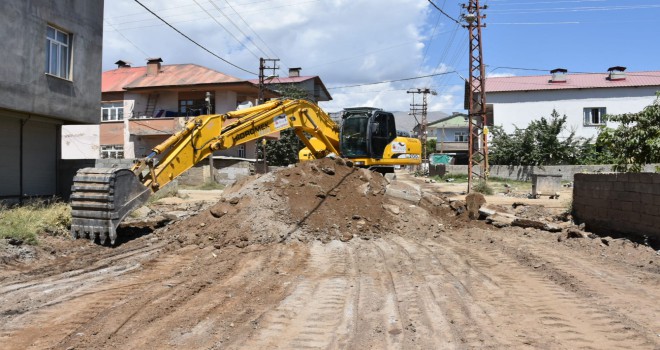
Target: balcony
454,146
155,126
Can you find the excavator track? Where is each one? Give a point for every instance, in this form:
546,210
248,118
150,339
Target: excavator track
101,198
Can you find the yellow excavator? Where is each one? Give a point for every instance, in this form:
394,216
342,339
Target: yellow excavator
102,197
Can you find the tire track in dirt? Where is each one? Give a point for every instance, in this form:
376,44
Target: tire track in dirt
71,302
581,278
576,320
320,310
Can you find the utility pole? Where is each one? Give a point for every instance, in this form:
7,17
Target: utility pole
476,96
265,64
421,109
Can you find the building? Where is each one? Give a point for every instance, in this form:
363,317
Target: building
50,76
142,106
312,84
584,98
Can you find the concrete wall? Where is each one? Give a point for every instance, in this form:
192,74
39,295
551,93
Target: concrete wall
519,108
612,204
25,86
80,141
523,173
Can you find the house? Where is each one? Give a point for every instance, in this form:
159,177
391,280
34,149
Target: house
50,76
585,98
312,84
142,106
451,136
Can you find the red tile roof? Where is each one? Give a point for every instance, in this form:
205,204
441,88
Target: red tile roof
122,79
573,81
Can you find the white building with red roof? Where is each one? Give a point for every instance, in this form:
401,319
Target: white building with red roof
585,98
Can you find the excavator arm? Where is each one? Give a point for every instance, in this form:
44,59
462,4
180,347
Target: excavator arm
101,198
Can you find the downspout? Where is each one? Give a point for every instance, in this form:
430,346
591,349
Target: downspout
20,160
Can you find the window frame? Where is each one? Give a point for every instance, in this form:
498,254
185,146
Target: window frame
241,151
55,63
463,136
112,152
118,108
587,118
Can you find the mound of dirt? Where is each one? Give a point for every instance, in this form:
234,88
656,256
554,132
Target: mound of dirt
322,200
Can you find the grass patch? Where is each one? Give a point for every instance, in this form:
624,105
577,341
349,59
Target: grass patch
207,186
170,190
26,222
458,178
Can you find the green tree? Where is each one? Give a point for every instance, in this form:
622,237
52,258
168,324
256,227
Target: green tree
430,146
284,151
538,144
636,141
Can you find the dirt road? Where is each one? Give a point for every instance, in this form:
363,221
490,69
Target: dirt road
430,281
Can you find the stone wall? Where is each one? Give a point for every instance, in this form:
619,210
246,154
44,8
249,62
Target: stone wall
624,203
523,173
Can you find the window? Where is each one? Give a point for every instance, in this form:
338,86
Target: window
241,151
192,107
460,136
112,151
111,111
594,116
58,52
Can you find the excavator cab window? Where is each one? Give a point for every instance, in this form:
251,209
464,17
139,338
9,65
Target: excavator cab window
383,131
353,138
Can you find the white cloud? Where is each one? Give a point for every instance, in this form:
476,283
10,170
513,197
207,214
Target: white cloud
344,42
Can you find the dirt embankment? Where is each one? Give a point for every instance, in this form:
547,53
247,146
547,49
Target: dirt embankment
319,256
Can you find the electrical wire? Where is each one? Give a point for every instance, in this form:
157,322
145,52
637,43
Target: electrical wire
226,30
389,81
127,39
249,27
193,41
443,12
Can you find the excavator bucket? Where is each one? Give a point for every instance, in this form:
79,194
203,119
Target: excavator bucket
101,198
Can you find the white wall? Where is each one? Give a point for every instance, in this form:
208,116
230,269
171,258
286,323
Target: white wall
521,107
80,141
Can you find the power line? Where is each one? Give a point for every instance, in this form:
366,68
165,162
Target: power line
249,27
193,41
127,39
237,27
443,12
390,81
227,30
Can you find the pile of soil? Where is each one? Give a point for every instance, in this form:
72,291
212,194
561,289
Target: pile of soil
324,200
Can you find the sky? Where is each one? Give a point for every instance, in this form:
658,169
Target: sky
371,52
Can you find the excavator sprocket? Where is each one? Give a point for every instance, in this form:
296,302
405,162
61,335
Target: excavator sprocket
101,198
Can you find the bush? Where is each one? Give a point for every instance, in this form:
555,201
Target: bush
26,222
483,188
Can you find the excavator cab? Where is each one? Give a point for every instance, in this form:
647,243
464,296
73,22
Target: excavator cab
365,132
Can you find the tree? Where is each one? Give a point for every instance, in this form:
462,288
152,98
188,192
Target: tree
430,146
538,144
636,141
284,151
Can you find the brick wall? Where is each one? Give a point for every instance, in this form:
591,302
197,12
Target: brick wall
611,204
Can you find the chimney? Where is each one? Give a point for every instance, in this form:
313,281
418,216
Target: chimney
153,66
558,75
123,64
294,72
617,73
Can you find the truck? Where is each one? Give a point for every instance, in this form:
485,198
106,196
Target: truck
102,197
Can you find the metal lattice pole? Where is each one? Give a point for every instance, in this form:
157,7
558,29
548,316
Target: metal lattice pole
478,138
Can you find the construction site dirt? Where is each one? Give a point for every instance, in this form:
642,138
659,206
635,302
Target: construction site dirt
324,255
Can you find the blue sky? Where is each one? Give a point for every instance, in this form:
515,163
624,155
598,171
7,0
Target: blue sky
353,44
